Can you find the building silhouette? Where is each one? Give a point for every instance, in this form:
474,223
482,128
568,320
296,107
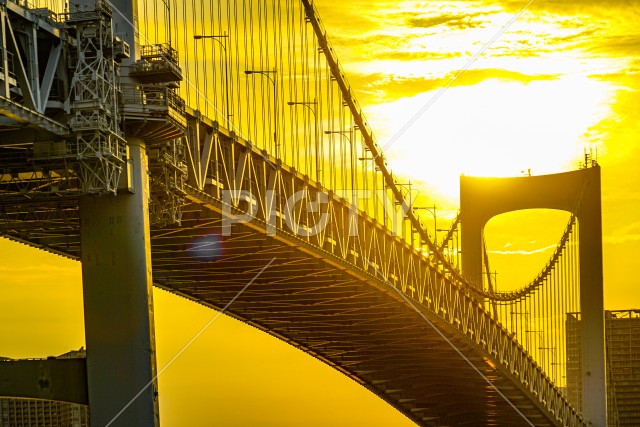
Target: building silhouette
622,334
16,412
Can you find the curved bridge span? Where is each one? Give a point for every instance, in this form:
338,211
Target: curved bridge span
368,304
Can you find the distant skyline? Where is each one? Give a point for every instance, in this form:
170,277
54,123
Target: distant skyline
563,78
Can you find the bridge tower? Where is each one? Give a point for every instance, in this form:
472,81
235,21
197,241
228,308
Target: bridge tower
577,192
82,104
115,223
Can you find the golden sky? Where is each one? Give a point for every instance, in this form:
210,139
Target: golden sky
563,77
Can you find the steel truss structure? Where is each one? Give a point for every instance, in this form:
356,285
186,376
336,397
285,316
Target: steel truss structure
63,113
338,276
99,146
60,91
245,185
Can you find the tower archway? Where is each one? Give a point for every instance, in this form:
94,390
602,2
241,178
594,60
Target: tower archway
577,192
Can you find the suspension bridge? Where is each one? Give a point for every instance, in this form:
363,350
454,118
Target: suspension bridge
217,150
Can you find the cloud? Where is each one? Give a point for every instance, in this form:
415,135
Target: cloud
617,194
430,21
625,233
522,251
417,56
619,45
460,21
383,87
578,7
603,27
622,238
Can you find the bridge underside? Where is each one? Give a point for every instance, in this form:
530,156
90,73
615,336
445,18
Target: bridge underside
360,326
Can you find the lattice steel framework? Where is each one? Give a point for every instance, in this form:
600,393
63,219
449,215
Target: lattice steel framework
94,100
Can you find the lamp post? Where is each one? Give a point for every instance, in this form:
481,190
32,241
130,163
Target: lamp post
310,105
525,316
539,332
223,45
408,184
557,375
352,158
457,247
553,357
268,74
540,335
433,211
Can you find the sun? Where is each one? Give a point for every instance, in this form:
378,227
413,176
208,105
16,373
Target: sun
493,128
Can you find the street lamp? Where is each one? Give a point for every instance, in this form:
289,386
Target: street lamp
352,157
553,356
268,74
309,105
517,327
555,371
457,248
408,184
223,45
540,334
433,211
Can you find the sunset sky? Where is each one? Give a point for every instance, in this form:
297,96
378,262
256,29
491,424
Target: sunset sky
562,78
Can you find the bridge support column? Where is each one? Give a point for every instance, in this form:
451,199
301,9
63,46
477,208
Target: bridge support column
593,353
118,302
484,198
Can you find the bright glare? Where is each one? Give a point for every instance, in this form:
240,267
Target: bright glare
494,128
